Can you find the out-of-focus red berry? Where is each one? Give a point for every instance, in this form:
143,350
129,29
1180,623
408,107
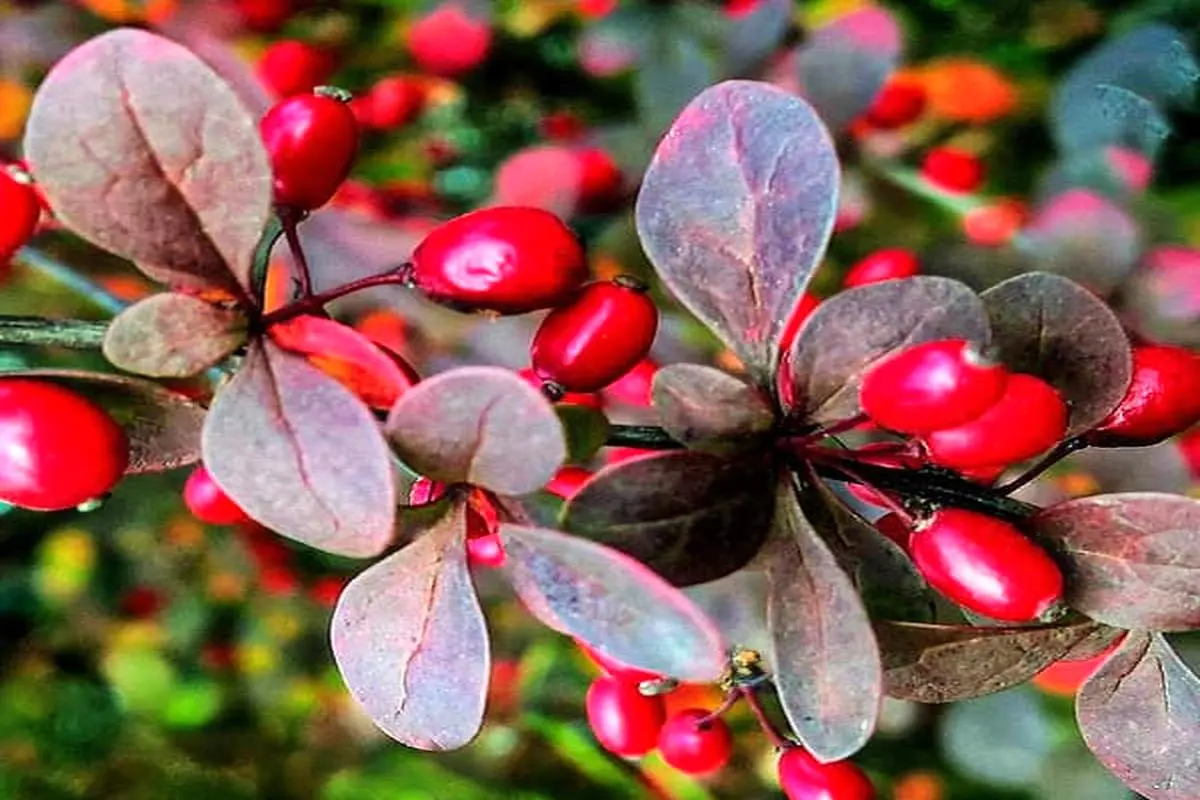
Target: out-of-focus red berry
208,502
953,169
449,41
292,67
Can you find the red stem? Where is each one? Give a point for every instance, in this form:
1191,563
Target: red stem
832,430
777,740
316,302
290,221
1064,449
819,455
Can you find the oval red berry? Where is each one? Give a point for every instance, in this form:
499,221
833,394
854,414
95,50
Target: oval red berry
507,259
1162,400
802,777
59,449
986,565
692,743
22,210
624,721
208,502
312,141
931,386
596,338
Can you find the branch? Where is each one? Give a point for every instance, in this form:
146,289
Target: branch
76,334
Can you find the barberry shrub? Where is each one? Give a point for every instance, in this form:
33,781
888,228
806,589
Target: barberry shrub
141,149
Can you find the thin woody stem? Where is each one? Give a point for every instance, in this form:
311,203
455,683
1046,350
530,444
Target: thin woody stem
290,221
316,302
76,334
1064,449
777,740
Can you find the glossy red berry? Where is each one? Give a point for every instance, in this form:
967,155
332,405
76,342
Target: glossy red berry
897,104
567,482
391,103
1030,418
986,565
619,670
264,16
693,744
803,777
58,450
931,386
624,721
883,265
21,207
596,338
953,170
508,259
312,141
486,551
894,528
484,546
208,502
635,386
448,41
600,180
425,491
292,67
1162,400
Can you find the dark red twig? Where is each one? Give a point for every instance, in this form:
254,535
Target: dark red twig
777,740
316,302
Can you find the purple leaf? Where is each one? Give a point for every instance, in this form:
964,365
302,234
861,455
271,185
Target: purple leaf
710,410
1050,326
411,643
1131,560
143,150
1139,715
612,602
1084,236
736,209
689,516
854,328
946,663
751,37
479,425
302,455
825,660
737,606
173,335
163,427
843,65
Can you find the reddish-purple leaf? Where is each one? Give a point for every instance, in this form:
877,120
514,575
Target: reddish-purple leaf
411,643
1140,714
173,335
710,410
1047,325
1131,560
946,663
752,36
737,606
825,660
612,602
852,329
480,425
843,65
302,455
689,516
143,150
736,209
163,427
1084,236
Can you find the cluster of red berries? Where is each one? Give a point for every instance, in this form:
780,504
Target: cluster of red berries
970,414
631,723
22,210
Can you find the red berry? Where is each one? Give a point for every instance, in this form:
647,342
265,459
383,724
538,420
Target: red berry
508,259
561,126
883,265
953,170
425,491
600,180
621,671
894,528
986,565
312,141
567,482
785,381
21,207
1162,399
596,338
1063,678
695,746
326,590
897,104
391,103
736,9
1030,418
995,225
803,777
278,581
292,67
585,399
624,721
635,386
208,503
931,386
448,41
264,16
484,547
57,449
142,602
